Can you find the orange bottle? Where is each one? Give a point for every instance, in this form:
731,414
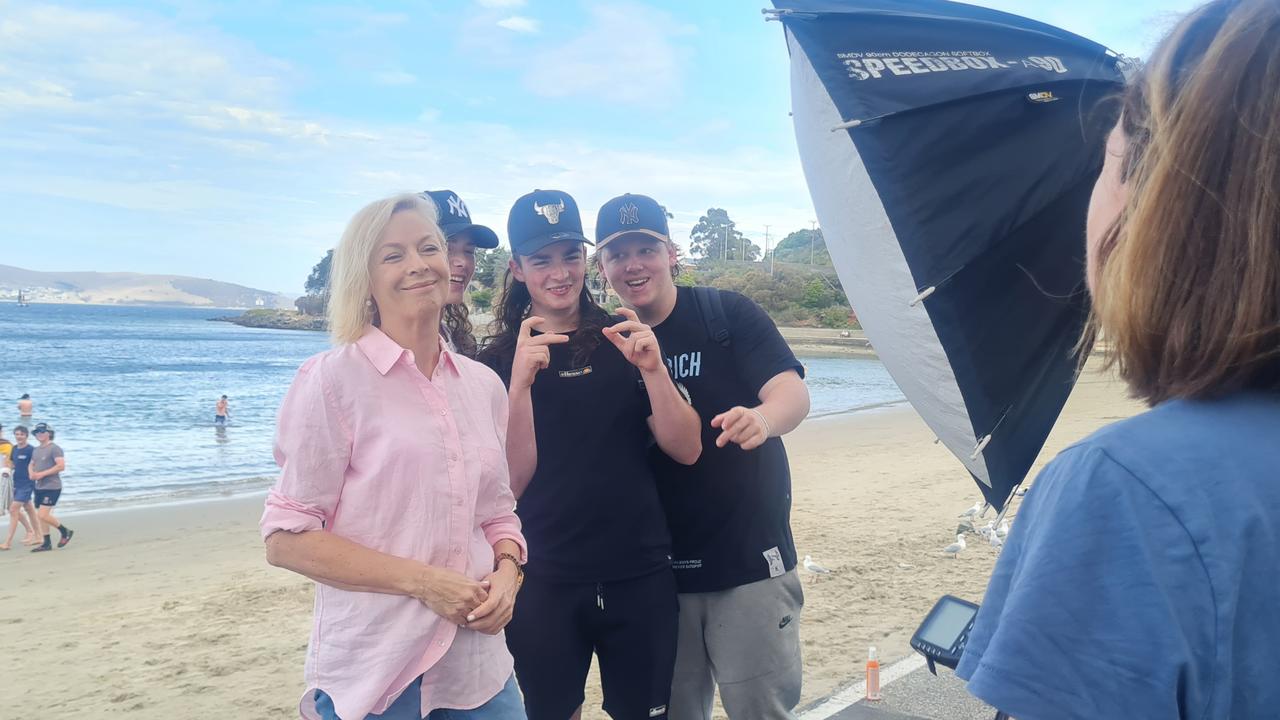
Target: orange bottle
873,674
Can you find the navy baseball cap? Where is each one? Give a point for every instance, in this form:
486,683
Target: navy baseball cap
541,218
454,218
40,427
628,214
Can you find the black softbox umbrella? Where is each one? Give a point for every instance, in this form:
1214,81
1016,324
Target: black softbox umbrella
950,151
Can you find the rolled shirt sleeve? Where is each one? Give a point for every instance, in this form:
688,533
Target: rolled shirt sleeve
1099,605
496,504
313,449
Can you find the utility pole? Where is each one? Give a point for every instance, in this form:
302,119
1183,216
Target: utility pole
766,249
724,247
742,248
813,230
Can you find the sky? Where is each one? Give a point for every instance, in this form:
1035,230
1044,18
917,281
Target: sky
234,139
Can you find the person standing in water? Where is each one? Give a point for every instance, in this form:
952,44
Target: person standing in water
221,411
464,237
25,406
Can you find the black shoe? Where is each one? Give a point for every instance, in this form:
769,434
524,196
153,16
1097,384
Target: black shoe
66,538
42,548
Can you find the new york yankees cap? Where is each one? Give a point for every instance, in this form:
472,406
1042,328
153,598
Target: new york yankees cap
455,218
543,217
631,214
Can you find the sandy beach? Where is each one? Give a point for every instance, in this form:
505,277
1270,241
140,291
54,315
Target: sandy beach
171,612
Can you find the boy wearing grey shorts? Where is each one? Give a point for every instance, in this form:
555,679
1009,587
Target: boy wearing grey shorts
729,513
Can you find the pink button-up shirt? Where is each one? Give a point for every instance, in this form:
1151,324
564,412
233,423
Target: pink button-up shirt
372,450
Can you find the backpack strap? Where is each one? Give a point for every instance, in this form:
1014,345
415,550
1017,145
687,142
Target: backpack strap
711,308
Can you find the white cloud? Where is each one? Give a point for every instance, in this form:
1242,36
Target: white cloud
520,24
500,4
627,53
195,159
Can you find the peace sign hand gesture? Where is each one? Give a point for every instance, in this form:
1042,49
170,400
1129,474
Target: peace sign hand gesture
639,346
533,353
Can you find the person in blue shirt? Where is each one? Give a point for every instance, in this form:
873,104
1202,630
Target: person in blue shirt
1140,580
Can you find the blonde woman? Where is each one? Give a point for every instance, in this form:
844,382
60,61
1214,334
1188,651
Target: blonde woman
393,494
1140,580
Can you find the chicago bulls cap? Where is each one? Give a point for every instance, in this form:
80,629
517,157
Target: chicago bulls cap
631,214
454,218
543,217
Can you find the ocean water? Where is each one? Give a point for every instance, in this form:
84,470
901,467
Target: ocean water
131,392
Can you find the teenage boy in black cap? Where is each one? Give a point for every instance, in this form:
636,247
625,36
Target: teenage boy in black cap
729,513
463,237
584,413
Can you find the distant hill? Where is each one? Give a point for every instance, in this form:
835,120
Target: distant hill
97,288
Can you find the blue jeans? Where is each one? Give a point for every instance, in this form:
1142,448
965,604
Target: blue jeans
506,705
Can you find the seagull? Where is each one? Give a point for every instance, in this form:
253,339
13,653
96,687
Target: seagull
988,529
814,567
994,539
972,511
954,548
1004,529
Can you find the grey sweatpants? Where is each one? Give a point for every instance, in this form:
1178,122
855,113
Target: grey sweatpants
747,641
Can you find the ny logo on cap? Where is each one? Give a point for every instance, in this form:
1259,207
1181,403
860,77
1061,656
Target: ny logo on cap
550,212
457,207
629,214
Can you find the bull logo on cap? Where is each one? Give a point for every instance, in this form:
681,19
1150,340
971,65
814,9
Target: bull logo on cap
629,214
550,212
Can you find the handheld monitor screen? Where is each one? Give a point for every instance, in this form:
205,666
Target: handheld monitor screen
944,628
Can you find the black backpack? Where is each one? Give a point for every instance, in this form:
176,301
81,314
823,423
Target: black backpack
711,309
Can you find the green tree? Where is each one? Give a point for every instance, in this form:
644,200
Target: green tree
817,294
795,248
708,239
490,265
318,281
482,299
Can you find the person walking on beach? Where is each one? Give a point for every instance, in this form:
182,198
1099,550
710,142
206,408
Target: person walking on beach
25,407
393,493
47,465
464,238
221,411
1140,578
588,396
729,513
18,459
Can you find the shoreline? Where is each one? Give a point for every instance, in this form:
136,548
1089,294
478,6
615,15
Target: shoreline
236,488
181,615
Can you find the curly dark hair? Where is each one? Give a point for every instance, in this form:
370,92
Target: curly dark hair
457,320
513,307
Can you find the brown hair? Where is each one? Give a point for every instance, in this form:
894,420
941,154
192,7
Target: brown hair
1188,289
513,306
457,320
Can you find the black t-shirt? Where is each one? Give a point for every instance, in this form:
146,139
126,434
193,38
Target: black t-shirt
591,511
729,513
21,459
